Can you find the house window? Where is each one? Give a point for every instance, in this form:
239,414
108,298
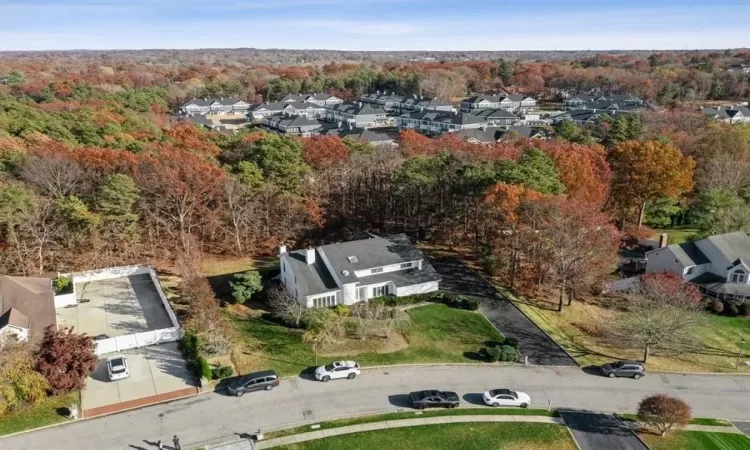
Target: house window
739,276
324,302
379,291
406,265
376,270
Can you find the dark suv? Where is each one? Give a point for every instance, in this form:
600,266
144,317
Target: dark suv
254,382
632,369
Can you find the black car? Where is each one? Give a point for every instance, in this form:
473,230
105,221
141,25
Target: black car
257,381
434,399
632,369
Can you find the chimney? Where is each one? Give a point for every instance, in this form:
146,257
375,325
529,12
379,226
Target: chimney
282,249
662,240
310,255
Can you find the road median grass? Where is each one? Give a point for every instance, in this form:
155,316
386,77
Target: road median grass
694,421
696,440
450,436
403,415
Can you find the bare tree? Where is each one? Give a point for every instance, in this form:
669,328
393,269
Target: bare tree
54,176
662,312
285,307
373,317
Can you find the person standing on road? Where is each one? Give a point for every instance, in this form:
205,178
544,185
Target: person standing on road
176,442
160,445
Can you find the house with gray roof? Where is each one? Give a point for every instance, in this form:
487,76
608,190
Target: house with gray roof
730,114
496,117
402,103
27,306
356,271
321,99
379,137
719,265
509,102
490,135
298,125
357,115
435,122
214,105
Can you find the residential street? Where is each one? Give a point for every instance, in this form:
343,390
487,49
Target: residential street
213,417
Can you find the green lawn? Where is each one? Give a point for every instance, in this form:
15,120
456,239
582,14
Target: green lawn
573,329
694,421
414,415
697,440
39,415
677,235
475,436
437,333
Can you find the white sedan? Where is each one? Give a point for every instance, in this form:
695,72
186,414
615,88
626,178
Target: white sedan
117,368
337,369
506,397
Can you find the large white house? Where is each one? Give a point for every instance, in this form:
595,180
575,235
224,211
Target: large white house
719,265
355,271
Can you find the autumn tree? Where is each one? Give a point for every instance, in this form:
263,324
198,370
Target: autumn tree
664,412
203,316
581,244
644,171
20,383
663,312
65,359
52,175
322,151
582,169
285,307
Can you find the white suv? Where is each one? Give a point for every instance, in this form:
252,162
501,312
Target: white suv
117,368
337,369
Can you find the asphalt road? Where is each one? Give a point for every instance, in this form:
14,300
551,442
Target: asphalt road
213,416
744,427
600,431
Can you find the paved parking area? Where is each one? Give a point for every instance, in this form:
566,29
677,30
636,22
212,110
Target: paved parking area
155,371
116,307
593,431
533,342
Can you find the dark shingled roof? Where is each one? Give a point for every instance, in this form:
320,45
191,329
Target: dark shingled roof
733,246
311,278
31,296
16,318
688,254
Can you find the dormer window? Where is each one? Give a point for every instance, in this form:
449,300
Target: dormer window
739,276
376,270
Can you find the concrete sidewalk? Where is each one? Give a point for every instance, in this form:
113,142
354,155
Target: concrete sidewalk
320,434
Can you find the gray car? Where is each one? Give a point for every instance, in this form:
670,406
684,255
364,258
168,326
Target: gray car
257,381
631,369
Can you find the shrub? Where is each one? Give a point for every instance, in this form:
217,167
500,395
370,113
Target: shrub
717,306
62,284
222,372
730,309
490,265
493,354
510,341
205,368
190,345
507,353
245,284
341,310
65,359
460,302
743,309
664,412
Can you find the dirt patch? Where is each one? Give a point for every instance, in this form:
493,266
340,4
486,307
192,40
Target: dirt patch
350,346
250,309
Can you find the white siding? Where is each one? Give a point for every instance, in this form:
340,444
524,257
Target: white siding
391,268
422,288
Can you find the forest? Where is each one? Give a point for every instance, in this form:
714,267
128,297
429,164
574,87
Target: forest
94,171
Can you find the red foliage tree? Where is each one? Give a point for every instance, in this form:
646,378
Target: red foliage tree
65,359
323,151
664,412
413,143
583,169
187,136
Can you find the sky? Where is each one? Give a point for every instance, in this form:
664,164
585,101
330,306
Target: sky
375,24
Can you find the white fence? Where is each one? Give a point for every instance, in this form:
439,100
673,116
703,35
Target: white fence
137,340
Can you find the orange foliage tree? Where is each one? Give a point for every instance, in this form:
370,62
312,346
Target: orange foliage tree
323,151
647,170
583,169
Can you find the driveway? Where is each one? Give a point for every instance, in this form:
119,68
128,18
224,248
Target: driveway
594,431
215,417
533,342
743,426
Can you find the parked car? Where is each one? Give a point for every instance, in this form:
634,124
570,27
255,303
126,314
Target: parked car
337,369
632,369
506,397
265,380
117,368
434,399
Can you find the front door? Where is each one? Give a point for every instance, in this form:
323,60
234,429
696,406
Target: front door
362,294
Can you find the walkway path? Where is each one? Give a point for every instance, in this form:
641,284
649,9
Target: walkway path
320,434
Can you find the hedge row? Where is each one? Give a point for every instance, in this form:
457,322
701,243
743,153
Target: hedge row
730,308
454,301
191,345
